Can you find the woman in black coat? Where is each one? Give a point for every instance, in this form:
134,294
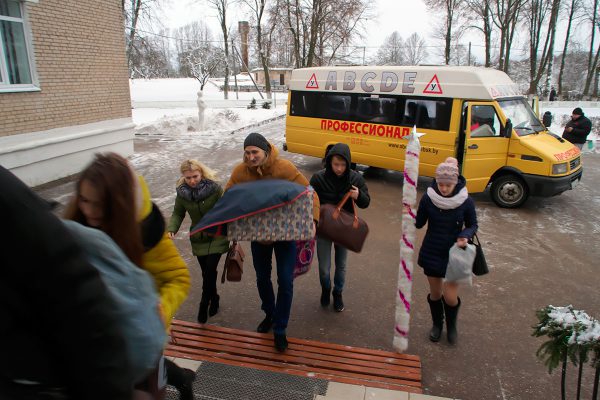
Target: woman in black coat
450,214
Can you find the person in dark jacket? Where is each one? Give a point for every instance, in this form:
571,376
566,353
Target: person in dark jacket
450,214
60,336
197,193
578,128
332,184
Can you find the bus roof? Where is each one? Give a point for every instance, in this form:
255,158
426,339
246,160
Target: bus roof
432,81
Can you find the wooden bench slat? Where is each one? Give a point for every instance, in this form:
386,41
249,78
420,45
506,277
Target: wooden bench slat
358,350
279,367
329,361
309,374
287,358
266,346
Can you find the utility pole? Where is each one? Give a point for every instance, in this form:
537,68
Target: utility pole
364,50
237,96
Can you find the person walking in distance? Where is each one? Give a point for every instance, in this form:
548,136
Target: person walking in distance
261,161
578,128
450,216
332,184
197,193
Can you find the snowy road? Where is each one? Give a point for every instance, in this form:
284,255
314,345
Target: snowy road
544,253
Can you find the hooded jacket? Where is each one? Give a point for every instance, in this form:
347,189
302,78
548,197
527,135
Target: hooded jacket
582,127
331,188
161,258
273,168
444,227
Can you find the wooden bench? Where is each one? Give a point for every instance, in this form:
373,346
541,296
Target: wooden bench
332,362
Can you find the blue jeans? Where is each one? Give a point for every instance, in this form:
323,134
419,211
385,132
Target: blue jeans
324,256
285,256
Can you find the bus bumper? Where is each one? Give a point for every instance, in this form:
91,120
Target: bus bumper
545,186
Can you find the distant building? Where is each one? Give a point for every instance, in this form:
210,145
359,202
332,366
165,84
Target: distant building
279,76
64,89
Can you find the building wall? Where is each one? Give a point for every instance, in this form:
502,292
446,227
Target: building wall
79,57
275,75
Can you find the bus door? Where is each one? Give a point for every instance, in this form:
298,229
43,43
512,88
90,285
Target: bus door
485,149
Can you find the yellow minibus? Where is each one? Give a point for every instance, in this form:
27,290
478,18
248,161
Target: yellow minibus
474,114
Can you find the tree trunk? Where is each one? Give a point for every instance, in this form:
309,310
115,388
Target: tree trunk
449,16
590,72
565,47
487,34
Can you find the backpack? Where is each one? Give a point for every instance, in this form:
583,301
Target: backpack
135,297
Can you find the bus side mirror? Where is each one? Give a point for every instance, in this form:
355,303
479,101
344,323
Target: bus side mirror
508,129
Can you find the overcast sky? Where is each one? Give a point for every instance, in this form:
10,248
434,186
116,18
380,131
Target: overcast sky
404,16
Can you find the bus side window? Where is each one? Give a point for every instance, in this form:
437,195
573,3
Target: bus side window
410,114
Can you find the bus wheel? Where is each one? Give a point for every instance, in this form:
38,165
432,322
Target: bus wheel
509,191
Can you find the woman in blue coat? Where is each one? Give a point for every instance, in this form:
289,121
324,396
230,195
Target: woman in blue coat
450,214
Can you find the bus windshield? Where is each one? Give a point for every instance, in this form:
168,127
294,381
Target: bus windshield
523,118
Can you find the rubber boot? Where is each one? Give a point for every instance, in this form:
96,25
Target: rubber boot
214,305
266,324
451,316
437,316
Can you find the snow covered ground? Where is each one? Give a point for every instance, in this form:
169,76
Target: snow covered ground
172,108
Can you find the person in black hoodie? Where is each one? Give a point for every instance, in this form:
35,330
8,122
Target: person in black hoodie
578,128
60,337
331,184
450,214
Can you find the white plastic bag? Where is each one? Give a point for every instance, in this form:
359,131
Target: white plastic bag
460,264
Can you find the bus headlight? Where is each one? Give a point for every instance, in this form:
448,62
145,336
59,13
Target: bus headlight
558,169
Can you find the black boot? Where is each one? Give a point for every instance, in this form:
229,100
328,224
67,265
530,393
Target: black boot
181,378
281,343
325,297
214,305
437,315
338,302
203,311
265,325
451,316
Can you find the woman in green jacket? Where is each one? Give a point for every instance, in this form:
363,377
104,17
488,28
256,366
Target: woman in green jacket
197,193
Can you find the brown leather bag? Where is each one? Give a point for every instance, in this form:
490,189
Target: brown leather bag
341,227
234,263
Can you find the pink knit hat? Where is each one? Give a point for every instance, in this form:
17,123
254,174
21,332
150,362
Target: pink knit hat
447,172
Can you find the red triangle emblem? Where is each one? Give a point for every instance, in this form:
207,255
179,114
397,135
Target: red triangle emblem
312,82
433,87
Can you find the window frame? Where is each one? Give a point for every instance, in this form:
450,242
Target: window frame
5,85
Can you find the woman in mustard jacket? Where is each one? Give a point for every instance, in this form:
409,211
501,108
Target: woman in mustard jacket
111,197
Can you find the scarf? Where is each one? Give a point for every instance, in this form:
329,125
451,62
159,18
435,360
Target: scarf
203,190
447,203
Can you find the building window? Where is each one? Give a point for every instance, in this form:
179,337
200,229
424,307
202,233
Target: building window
15,65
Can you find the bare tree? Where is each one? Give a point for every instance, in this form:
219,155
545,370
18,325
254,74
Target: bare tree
415,49
391,51
203,62
221,6
452,10
135,13
320,28
504,15
542,16
592,61
572,10
480,18
263,38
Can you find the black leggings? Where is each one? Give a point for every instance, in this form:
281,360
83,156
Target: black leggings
208,265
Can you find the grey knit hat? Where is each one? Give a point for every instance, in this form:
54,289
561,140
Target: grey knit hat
447,172
258,140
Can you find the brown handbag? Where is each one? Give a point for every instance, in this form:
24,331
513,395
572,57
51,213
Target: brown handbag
342,227
234,263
